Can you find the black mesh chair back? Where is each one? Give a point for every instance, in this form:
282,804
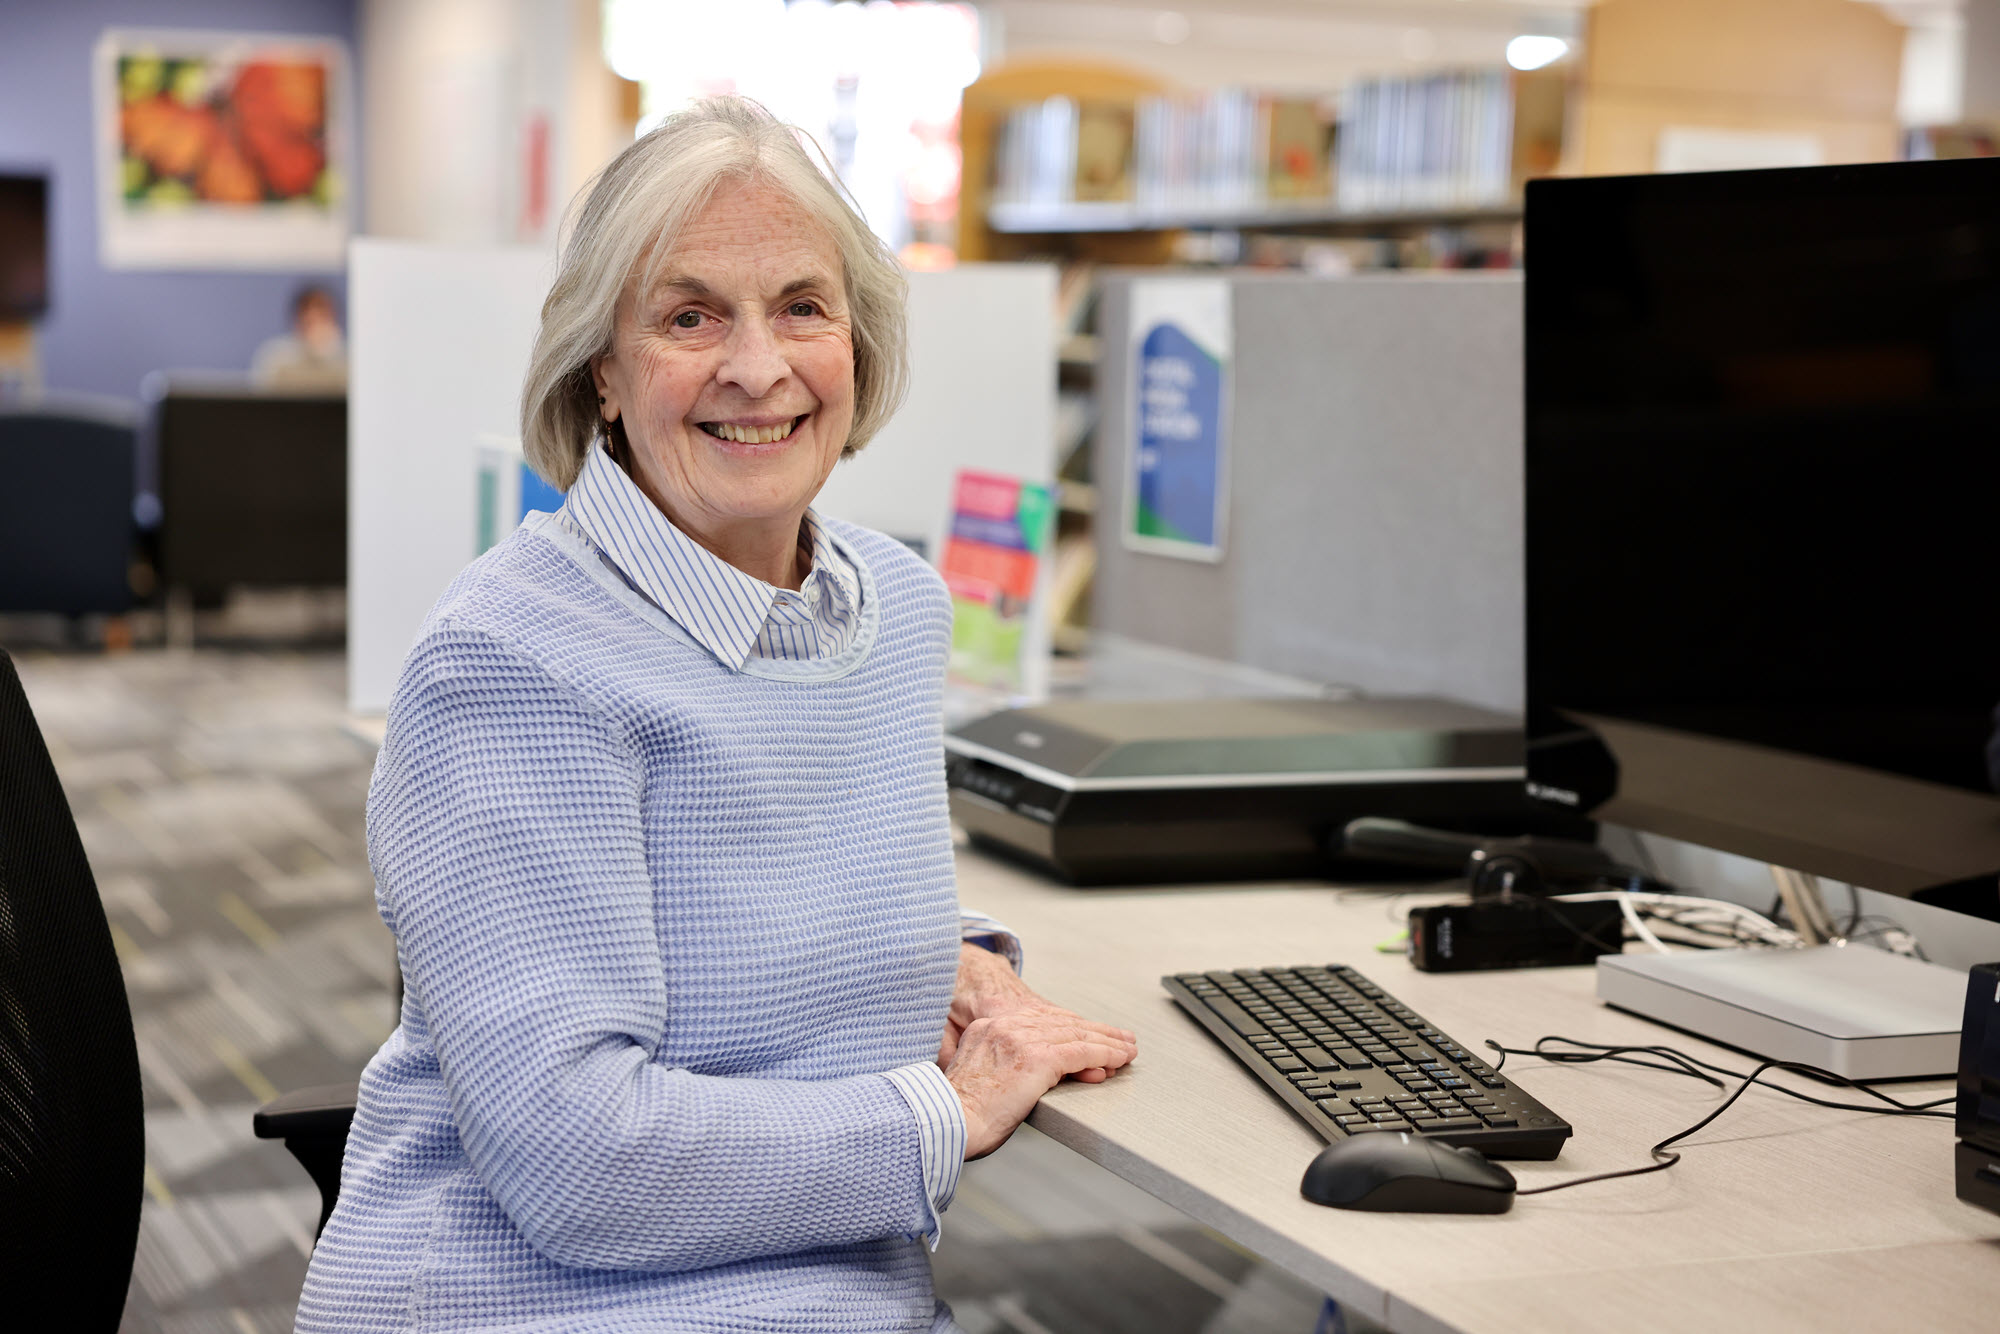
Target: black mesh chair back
72,1137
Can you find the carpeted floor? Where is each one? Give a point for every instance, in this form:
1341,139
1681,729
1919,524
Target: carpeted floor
220,800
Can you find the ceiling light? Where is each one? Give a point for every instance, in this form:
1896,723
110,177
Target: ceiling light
1535,52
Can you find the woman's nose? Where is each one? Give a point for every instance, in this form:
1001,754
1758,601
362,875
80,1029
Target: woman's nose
753,359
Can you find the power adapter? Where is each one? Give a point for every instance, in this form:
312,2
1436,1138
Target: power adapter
1513,931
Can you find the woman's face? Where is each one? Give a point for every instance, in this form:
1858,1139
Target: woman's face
734,375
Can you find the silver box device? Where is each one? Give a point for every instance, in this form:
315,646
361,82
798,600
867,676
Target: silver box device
1856,1011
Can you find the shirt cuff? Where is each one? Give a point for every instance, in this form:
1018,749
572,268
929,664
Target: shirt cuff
978,929
940,1134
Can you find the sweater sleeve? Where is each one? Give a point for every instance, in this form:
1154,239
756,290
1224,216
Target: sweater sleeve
505,832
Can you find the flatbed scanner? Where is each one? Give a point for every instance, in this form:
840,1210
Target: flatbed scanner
1102,792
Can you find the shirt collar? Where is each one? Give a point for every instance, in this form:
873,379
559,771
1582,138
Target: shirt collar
721,606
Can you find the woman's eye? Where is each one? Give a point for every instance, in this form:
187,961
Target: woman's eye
804,309
688,319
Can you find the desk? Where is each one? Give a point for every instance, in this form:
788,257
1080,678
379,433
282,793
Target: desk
1780,1217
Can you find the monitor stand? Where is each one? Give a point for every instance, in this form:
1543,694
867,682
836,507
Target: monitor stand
1859,1012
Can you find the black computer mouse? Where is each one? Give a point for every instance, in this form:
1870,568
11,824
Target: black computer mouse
1397,1172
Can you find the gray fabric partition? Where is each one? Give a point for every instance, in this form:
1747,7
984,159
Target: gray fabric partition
1374,528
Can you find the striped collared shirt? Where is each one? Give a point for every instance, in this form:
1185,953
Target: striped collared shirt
736,616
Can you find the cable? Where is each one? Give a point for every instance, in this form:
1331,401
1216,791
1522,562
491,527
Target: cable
1639,928
1676,906
1680,1063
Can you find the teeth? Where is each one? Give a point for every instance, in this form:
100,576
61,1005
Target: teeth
750,435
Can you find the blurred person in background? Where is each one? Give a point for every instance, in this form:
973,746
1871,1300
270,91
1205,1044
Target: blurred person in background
313,356
695,1034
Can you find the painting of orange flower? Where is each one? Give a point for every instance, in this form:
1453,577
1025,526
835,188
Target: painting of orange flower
220,150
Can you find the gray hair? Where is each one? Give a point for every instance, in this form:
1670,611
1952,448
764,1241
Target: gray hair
625,229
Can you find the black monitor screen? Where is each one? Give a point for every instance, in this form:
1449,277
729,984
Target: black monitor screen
24,246
1763,507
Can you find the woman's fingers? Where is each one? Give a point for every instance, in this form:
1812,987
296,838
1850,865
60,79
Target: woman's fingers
1005,1064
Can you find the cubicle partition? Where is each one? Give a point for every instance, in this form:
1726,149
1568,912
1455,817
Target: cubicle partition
1372,482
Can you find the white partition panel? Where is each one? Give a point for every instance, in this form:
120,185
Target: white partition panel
982,395
439,339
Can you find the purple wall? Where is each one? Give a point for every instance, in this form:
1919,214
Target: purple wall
106,329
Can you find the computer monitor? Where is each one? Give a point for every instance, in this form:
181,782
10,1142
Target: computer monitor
24,246
1763,515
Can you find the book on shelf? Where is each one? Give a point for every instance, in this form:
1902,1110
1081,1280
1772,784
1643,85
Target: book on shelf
1230,148
1436,141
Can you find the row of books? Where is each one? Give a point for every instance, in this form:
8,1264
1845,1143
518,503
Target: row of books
1230,147
1441,141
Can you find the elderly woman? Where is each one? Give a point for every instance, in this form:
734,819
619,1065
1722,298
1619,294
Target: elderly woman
694,1036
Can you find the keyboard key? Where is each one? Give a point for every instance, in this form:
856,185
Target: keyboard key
1287,1064
1458,1123
1236,1017
1317,1059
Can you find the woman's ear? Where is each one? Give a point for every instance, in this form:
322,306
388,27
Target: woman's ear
607,397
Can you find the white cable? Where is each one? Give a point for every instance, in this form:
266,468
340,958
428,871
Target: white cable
1629,901
1639,928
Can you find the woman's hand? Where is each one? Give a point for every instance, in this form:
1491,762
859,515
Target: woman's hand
987,988
1004,1047
1005,1064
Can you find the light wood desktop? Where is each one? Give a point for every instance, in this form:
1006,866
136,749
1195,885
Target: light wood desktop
1781,1216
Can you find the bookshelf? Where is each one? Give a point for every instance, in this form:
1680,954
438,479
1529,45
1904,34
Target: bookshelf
1302,215
1068,173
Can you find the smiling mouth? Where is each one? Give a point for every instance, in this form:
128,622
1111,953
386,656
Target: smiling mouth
753,435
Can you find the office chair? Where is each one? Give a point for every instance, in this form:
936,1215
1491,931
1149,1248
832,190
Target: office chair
253,488
66,489
72,1129
313,1123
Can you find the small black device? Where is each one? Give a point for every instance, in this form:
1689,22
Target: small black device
1977,1160
1350,1058
1407,1174
1513,931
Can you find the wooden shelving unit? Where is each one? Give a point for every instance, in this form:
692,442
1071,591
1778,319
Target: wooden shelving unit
985,109
1306,215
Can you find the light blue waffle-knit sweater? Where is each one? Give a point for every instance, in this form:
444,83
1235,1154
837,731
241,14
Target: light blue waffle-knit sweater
662,926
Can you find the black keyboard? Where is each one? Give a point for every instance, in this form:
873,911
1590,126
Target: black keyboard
1349,1058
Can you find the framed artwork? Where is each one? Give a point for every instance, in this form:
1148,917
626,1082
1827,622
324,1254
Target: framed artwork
221,150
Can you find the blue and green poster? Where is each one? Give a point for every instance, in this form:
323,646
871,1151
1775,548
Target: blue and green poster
1176,480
